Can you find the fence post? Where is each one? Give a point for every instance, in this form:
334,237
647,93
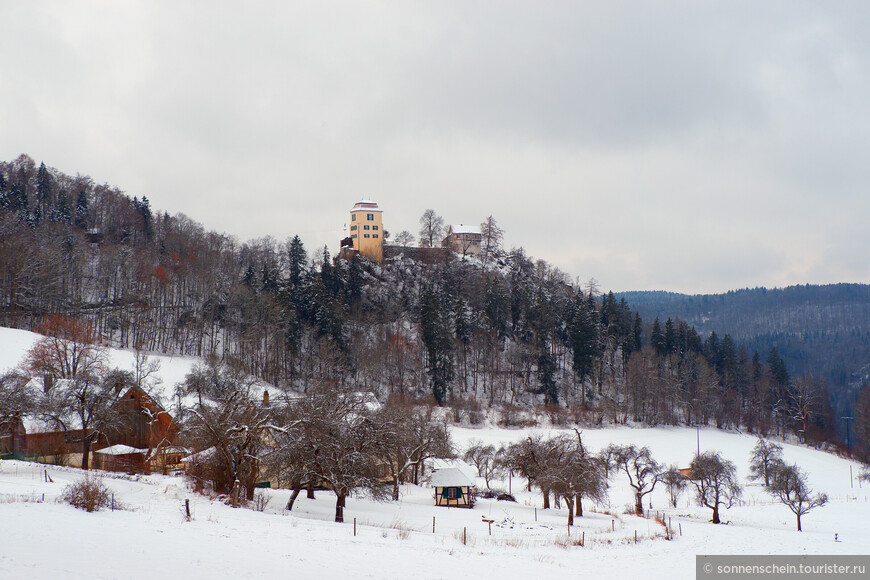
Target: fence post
433,524
463,536
354,527
187,508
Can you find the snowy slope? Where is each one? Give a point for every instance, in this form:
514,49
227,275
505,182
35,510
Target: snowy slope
14,344
40,538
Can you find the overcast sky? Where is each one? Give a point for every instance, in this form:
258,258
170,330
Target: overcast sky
686,146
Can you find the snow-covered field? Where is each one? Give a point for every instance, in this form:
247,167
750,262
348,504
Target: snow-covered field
42,538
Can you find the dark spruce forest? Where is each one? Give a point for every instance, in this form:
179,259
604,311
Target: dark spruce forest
501,331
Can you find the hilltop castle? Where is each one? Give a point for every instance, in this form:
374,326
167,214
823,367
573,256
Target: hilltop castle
366,234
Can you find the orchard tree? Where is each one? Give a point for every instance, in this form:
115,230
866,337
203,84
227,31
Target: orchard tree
75,396
529,458
341,443
638,464
485,458
228,418
715,481
789,486
675,482
765,459
573,473
410,435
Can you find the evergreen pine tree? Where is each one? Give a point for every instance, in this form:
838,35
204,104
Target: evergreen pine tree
657,338
584,344
438,343
81,210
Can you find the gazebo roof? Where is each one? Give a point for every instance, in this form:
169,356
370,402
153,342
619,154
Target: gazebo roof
451,477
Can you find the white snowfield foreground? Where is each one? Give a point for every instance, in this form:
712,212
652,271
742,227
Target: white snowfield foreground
45,539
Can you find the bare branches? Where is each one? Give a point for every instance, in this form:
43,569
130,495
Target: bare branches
789,485
715,481
638,464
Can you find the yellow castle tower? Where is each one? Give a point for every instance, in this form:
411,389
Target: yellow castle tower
367,229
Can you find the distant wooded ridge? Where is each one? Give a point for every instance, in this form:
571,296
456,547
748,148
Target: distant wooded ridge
818,329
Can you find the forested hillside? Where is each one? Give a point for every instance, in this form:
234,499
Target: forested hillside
818,330
510,334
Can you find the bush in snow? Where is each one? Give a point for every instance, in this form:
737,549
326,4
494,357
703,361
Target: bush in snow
89,493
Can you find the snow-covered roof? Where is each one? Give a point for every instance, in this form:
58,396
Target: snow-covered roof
120,450
366,204
466,468
203,455
451,477
464,229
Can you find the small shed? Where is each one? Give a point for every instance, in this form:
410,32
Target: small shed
121,458
453,487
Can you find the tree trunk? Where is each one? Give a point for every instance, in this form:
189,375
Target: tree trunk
638,503
339,507
799,522
86,451
716,514
546,493
579,505
296,491
310,490
570,503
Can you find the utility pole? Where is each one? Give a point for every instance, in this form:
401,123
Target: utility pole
848,421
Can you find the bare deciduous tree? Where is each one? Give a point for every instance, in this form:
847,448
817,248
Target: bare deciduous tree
431,229
228,424
638,464
404,238
715,481
485,458
410,435
675,482
491,237
789,486
765,459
